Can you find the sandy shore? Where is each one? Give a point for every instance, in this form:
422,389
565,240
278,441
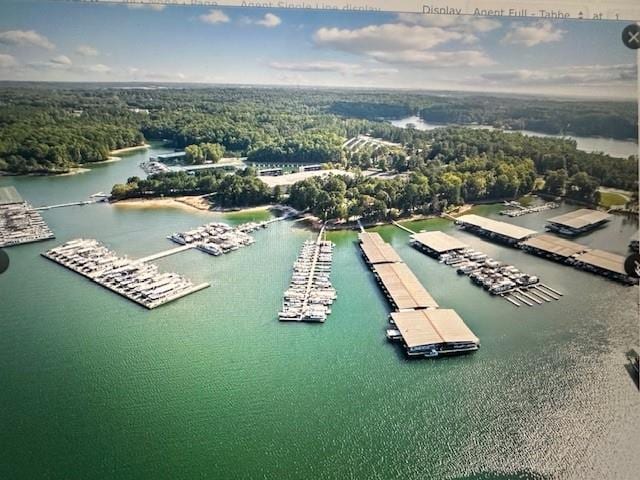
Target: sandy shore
129,149
186,203
73,171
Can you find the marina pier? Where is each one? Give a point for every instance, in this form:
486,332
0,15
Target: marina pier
420,324
19,222
577,222
606,264
571,253
136,280
310,294
495,230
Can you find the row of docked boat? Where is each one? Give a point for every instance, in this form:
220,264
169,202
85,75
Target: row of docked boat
20,223
520,210
492,275
216,238
138,281
310,293
153,167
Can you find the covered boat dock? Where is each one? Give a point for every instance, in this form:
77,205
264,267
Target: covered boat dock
434,332
577,222
494,230
402,287
604,263
375,250
436,243
550,246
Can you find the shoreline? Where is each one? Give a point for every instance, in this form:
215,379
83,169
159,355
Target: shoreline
118,151
187,203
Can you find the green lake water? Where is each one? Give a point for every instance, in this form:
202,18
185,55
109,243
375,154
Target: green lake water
212,386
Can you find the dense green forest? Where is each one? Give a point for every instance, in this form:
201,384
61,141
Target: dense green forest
52,128
452,166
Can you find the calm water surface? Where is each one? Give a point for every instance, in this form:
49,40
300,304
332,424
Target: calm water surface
212,386
615,148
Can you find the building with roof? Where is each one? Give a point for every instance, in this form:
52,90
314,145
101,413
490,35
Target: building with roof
425,329
550,246
494,230
285,181
577,222
434,332
436,243
403,289
375,250
604,263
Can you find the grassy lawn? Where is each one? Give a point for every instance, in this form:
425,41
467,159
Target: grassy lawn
608,199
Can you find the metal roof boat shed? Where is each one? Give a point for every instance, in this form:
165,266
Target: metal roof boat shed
375,250
606,263
440,330
494,229
554,247
402,287
436,243
578,222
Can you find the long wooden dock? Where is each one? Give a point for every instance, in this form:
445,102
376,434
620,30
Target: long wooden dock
70,204
166,253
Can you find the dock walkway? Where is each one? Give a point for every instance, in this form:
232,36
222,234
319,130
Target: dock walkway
166,253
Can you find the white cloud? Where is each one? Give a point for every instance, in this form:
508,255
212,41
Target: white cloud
533,34
214,17
87,51
269,20
570,75
321,66
400,43
61,60
146,6
435,59
386,37
464,23
7,61
25,38
99,68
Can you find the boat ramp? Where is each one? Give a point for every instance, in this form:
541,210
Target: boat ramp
425,329
136,280
310,293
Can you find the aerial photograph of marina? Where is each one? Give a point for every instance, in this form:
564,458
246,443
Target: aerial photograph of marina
260,243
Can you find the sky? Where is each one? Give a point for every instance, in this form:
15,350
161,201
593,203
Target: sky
74,41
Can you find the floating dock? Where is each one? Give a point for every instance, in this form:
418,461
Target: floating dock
577,222
138,281
19,222
496,278
495,230
564,251
421,325
217,238
520,210
310,294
